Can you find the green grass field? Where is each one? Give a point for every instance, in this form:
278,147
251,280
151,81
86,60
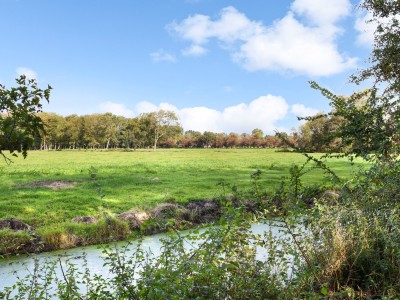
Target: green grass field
137,179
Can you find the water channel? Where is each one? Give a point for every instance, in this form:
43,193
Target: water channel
23,265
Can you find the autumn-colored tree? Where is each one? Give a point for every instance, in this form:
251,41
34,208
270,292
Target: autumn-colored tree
220,141
271,141
245,140
232,140
192,139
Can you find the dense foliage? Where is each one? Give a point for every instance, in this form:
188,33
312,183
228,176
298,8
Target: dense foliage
367,125
384,66
19,122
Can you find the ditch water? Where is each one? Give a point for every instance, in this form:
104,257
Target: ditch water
22,266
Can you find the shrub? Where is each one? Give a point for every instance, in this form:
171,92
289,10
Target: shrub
55,238
13,242
355,244
111,230
69,235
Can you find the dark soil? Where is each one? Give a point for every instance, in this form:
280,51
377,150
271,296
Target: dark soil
53,184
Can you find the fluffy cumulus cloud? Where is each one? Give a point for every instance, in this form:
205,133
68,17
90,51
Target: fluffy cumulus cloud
231,27
116,109
302,42
29,73
265,112
299,110
201,119
162,55
262,113
322,12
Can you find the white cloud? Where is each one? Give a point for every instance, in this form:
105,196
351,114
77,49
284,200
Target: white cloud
262,113
365,29
232,26
322,12
286,45
290,45
194,50
116,109
200,119
161,55
147,107
29,73
299,110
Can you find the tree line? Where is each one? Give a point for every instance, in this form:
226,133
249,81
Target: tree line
24,126
148,130
162,129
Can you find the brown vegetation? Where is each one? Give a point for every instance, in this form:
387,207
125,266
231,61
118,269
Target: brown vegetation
53,184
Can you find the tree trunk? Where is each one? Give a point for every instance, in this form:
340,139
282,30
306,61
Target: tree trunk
155,140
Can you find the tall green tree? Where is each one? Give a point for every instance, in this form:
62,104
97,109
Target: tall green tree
94,135
113,127
19,120
54,135
164,123
73,131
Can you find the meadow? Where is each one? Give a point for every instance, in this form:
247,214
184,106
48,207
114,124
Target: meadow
119,181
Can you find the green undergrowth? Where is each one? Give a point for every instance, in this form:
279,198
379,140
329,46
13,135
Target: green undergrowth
14,242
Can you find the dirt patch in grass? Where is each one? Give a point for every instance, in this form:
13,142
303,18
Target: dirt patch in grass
53,184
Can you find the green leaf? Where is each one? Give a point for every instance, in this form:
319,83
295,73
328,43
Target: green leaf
324,290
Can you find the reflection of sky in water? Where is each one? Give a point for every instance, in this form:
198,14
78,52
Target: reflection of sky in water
95,257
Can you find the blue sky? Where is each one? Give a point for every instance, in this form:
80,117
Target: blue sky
220,65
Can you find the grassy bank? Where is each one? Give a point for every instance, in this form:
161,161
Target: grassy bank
114,182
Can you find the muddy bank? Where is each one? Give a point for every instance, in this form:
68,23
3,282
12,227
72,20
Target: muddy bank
17,237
